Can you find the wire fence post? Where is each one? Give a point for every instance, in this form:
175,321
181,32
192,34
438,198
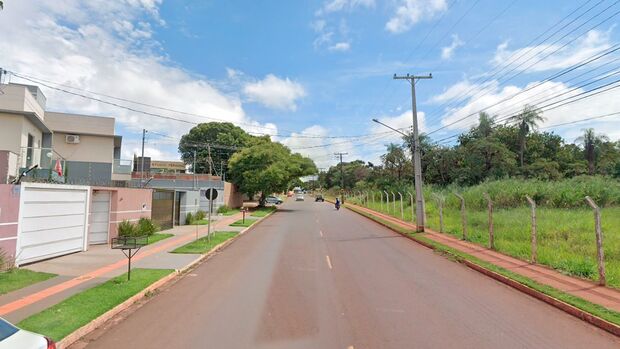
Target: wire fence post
463,215
491,232
534,248
367,200
381,194
440,201
387,202
402,211
393,203
599,241
412,207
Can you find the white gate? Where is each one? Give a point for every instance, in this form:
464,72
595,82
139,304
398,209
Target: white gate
99,218
53,221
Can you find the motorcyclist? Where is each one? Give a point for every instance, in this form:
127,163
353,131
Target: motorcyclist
337,204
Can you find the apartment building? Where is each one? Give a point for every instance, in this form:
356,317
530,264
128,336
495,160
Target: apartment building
83,146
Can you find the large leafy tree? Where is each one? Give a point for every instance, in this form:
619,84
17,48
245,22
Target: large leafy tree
267,167
395,161
592,144
219,139
527,121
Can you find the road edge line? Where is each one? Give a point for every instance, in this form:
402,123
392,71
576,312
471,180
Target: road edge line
83,331
583,315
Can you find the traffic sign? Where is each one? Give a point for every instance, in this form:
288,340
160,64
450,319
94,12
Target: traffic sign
211,194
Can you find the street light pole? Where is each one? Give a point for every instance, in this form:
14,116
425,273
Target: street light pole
417,158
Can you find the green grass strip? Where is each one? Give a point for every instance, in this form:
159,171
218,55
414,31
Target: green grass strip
15,279
263,211
200,222
241,223
158,237
580,303
231,212
203,245
62,319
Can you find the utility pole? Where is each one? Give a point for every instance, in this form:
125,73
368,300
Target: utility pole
341,177
194,169
142,159
417,160
210,160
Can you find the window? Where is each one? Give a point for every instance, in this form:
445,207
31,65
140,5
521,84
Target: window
6,330
29,150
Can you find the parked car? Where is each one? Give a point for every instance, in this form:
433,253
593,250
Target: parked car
299,197
273,200
319,198
12,337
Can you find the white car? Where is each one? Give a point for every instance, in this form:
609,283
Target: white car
12,337
299,197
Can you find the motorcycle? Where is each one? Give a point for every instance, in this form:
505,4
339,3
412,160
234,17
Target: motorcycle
337,206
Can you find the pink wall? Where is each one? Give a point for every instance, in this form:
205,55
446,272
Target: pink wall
9,215
127,203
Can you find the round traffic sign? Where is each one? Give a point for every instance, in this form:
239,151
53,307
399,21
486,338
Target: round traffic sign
211,194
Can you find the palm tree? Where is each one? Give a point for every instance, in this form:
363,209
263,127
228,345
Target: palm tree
591,144
486,123
527,121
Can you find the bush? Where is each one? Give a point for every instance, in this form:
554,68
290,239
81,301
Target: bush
223,209
189,218
147,227
200,215
127,229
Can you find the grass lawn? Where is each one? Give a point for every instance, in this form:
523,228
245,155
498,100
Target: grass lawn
240,223
203,245
263,211
200,222
19,278
158,237
566,239
231,212
592,308
76,311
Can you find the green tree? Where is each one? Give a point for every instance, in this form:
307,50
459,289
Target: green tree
592,144
267,167
223,138
1,5
526,121
395,161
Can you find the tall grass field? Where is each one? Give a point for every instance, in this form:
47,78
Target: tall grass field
566,238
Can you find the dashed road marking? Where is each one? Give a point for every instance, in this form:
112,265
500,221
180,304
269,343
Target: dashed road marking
329,262
321,233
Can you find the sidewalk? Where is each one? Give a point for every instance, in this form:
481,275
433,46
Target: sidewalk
604,296
80,271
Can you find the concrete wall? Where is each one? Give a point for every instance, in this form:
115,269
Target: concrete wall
79,124
14,134
94,173
128,203
90,148
232,197
17,97
9,216
190,203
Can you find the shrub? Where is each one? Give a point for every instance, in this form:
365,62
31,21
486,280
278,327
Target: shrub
223,209
147,227
126,229
200,215
189,218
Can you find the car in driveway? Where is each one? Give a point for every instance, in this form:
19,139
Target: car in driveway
273,200
319,198
12,337
299,197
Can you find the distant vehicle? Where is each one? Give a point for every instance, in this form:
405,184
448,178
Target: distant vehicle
273,200
319,198
12,337
299,197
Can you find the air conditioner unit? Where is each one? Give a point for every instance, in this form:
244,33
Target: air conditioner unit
72,139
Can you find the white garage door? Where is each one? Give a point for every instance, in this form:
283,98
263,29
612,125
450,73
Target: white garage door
53,221
99,218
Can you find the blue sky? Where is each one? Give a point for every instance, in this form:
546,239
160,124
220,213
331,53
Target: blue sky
315,68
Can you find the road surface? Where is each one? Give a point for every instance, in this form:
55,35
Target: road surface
312,277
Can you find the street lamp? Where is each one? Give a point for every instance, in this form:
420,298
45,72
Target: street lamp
417,173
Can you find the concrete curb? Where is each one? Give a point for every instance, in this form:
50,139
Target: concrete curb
567,308
96,323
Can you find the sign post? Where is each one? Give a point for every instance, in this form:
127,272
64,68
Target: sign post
210,194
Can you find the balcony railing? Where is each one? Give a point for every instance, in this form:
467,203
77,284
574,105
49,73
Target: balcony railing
121,166
45,160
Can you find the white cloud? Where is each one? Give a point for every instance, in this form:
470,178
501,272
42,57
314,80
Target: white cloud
461,90
590,44
340,46
402,122
448,51
107,46
274,92
321,150
410,12
340,5
152,152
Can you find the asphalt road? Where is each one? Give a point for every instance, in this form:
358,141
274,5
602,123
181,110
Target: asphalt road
313,277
